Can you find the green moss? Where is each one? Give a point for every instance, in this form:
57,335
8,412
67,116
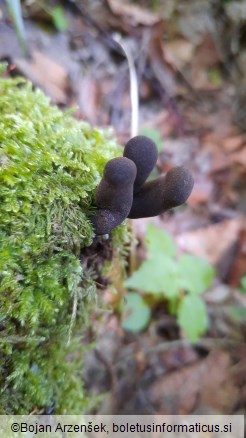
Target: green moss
50,165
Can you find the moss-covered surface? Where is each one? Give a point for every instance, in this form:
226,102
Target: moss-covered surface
50,165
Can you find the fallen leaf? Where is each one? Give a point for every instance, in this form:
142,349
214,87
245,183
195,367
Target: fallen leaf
177,358
222,160
205,57
46,74
205,384
231,144
133,13
162,69
87,90
238,268
215,243
239,157
218,389
179,52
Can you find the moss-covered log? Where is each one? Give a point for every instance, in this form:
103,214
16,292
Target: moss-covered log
50,165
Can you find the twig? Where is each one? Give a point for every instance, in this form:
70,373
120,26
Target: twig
73,317
133,85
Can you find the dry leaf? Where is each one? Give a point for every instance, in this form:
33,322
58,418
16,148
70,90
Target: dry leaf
205,57
132,13
215,243
231,144
179,52
88,92
46,74
206,384
239,157
217,387
162,69
239,266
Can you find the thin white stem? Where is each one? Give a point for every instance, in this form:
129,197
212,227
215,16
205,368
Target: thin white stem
133,85
73,317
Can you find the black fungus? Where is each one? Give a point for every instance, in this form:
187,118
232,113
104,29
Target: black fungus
143,152
114,195
157,196
124,192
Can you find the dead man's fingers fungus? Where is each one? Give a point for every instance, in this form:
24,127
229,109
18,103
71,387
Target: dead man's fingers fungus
156,197
124,192
143,152
114,195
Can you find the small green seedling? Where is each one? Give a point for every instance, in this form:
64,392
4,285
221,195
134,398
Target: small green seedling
181,281
59,18
155,135
243,285
137,313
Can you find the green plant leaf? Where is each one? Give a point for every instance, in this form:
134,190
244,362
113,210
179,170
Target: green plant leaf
3,67
156,276
148,277
196,275
192,317
238,313
59,18
165,276
215,77
155,135
243,285
138,313
159,243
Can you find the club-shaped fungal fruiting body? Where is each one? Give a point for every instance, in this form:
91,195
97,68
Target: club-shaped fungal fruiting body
143,152
157,196
123,191
114,195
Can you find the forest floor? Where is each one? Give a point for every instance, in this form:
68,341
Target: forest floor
192,95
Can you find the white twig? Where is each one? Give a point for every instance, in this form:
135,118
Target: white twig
133,85
73,317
